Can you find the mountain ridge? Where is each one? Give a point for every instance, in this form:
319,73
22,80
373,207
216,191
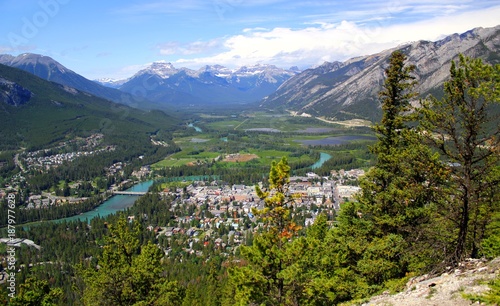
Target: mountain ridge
349,90
36,112
334,90
211,84
49,69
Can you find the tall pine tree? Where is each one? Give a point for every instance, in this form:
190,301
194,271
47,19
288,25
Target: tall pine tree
399,192
128,273
260,278
463,127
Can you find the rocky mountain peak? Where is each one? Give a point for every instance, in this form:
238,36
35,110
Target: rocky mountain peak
34,63
49,69
329,67
209,83
216,70
162,69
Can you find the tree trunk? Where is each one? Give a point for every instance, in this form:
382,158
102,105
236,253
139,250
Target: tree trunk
463,228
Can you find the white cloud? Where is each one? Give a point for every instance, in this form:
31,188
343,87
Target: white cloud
322,41
5,49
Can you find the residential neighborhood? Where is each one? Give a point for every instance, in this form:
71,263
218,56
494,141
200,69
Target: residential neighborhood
217,215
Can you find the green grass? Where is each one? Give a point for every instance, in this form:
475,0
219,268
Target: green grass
170,162
254,120
265,145
265,158
184,158
224,124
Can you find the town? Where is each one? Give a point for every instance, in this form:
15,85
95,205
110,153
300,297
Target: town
221,216
214,214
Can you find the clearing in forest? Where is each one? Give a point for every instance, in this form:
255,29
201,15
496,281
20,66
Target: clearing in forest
240,157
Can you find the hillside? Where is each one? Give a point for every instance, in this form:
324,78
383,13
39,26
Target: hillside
36,112
49,69
348,90
446,289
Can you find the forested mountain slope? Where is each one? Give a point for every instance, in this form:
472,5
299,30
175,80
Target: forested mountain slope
36,112
49,69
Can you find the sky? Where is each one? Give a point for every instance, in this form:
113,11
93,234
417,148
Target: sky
117,38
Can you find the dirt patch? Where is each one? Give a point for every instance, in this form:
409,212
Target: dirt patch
240,157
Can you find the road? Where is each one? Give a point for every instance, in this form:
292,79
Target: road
18,163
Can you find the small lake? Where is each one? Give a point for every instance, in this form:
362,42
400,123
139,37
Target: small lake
311,130
337,140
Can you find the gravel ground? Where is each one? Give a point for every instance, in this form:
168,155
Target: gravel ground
443,290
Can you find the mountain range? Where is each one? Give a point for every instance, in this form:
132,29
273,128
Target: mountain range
333,90
162,83
347,90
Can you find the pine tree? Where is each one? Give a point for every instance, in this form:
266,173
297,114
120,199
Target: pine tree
260,279
128,273
36,292
398,193
463,127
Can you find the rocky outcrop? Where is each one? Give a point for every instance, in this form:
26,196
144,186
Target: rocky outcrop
13,94
447,289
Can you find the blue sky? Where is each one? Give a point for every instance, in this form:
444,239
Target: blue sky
112,38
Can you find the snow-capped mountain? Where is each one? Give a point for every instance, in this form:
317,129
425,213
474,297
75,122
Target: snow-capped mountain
162,69
108,82
163,83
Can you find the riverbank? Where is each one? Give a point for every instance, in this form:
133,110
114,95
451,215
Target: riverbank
110,205
323,157
115,203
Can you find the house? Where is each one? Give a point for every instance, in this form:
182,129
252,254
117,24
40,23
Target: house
311,175
169,231
190,232
238,187
309,221
347,191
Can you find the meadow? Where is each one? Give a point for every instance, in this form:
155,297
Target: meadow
258,138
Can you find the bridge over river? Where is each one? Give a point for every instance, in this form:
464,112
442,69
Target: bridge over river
135,193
